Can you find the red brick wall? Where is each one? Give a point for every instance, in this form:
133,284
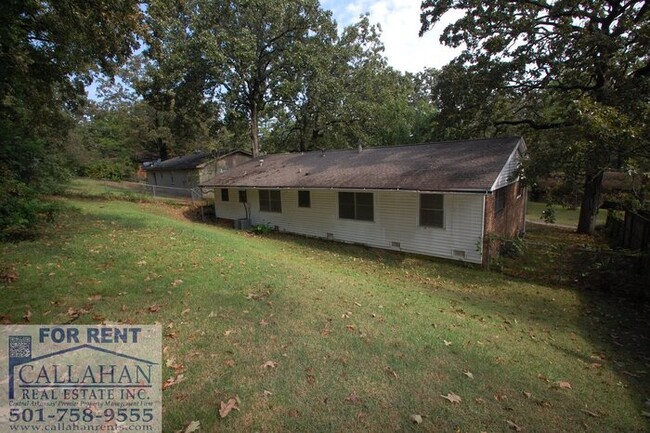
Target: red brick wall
508,222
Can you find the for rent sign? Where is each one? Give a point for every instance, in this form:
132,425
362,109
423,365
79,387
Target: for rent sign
80,378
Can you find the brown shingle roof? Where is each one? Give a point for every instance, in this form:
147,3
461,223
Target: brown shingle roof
467,165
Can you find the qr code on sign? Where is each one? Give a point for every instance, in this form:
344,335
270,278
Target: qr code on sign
20,347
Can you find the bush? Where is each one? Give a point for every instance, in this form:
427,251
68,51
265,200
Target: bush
261,229
22,210
548,214
107,169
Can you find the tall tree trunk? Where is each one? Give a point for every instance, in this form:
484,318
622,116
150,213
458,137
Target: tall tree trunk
163,151
255,139
590,201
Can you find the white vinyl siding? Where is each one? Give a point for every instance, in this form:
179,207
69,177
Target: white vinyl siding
395,225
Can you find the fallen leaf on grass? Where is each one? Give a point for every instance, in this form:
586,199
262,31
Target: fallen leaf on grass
267,393
28,315
514,426
453,398
352,398
9,275
94,298
230,362
528,394
447,343
194,426
228,332
564,385
5,319
590,413
391,372
185,311
153,308
173,381
469,374
417,419
270,364
233,403
177,283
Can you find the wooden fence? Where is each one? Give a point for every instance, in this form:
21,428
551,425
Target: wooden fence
632,233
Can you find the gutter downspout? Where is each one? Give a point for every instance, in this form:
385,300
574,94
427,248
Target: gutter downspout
485,259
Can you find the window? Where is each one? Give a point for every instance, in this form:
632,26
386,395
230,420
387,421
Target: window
356,206
242,197
224,194
500,199
270,201
432,212
304,199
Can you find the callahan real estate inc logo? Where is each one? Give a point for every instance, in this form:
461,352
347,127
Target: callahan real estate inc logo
80,378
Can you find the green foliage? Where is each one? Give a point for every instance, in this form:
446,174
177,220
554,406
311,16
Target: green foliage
49,51
574,77
548,214
262,229
110,170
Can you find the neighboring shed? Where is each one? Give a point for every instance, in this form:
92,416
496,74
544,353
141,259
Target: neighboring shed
439,199
191,170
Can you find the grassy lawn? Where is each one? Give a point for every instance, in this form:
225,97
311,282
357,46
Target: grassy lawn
363,339
563,216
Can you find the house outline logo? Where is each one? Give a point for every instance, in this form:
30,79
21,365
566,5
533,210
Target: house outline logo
20,353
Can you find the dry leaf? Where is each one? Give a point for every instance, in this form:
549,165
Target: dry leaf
153,308
270,364
267,393
177,283
352,398
528,394
514,426
185,311
230,362
194,426
28,315
5,319
447,343
564,385
173,381
417,419
227,407
469,374
479,400
590,413
228,332
94,298
453,398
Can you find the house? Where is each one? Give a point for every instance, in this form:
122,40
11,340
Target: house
177,175
442,199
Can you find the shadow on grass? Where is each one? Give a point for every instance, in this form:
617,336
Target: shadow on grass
615,326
